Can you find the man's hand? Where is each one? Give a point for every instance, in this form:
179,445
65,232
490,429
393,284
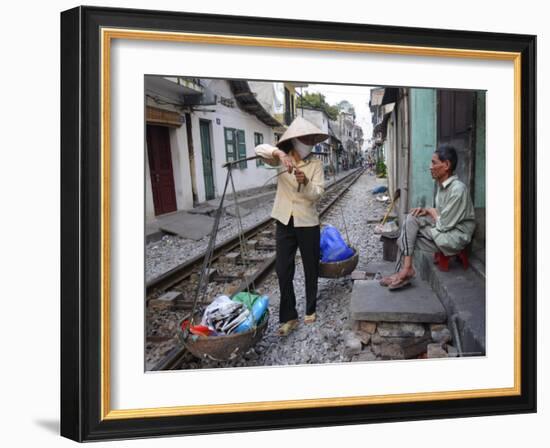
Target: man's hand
285,160
419,211
300,177
432,212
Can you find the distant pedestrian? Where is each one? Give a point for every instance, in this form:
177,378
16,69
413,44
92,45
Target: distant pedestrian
298,189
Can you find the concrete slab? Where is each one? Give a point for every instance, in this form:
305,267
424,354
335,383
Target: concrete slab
463,294
203,209
417,303
477,262
358,275
152,232
246,201
380,267
186,225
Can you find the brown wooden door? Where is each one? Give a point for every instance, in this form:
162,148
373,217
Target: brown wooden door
160,166
456,126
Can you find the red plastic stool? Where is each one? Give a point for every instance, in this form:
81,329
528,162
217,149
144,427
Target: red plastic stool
442,260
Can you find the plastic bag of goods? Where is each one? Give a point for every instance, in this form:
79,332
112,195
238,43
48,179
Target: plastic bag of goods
258,309
333,246
380,189
224,315
246,298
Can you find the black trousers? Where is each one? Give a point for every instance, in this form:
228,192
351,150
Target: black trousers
289,238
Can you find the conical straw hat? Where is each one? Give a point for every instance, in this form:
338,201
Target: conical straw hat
300,127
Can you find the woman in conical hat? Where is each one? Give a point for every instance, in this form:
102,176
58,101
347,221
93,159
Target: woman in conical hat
298,189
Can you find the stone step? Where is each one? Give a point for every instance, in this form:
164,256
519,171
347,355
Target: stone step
380,267
416,303
462,292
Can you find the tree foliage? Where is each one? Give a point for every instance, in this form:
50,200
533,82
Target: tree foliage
317,100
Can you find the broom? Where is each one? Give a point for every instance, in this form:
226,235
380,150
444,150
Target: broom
395,198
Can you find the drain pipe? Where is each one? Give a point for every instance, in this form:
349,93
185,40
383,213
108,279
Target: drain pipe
456,335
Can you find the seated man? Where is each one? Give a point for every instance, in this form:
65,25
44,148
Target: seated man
447,228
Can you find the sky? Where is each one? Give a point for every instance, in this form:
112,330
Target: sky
358,96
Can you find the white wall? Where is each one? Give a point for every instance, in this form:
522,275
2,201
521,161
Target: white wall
249,177
316,117
30,392
181,168
231,117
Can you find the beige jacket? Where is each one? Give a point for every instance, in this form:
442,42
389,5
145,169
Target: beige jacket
288,201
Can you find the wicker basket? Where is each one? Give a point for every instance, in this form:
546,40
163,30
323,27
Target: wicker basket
223,348
336,269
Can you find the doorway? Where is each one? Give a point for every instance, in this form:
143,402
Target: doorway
206,147
456,126
160,167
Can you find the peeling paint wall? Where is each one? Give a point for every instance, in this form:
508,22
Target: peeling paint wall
479,192
423,144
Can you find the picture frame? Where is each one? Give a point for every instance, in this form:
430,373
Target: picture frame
86,37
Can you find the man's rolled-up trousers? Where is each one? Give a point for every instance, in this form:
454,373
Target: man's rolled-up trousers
416,234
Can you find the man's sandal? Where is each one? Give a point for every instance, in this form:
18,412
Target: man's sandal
310,318
388,280
287,327
399,284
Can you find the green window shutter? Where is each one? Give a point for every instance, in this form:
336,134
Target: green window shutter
258,140
230,144
241,145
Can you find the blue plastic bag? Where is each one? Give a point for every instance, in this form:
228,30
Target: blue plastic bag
380,189
333,246
258,310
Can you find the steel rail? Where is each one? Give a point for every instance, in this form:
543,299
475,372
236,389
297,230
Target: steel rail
181,272
175,357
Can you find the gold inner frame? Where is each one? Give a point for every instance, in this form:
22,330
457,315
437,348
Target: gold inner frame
107,35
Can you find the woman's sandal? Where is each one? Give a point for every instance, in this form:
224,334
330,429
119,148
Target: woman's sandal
310,318
287,327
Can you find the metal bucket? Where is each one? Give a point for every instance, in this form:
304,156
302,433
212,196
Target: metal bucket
223,348
336,269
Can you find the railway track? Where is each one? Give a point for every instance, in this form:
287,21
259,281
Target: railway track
229,273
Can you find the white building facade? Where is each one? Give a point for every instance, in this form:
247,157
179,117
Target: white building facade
193,127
